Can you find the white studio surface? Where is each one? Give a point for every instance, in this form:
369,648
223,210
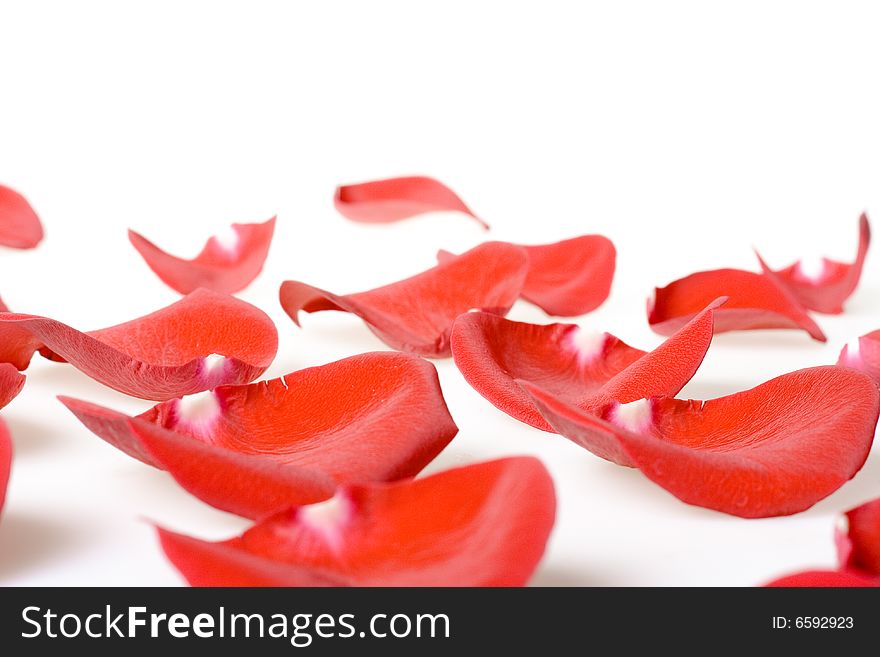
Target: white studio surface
686,133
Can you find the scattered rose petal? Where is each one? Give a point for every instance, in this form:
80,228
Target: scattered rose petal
859,543
863,354
225,266
825,284
755,301
247,485
5,461
567,278
776,449
858,549
480,525
373,417
11,383
20,228
204,340
394,199
584,368
416,314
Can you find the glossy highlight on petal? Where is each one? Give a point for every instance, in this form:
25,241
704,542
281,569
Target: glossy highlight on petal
823,285
166,354
776,449
372,417
480,525
416,314
20,228
223,265
395,199
583,368
755,301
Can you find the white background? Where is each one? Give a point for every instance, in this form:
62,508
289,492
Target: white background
686,133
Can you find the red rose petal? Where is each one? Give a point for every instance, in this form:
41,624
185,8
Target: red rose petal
862,537
824,578
373,417
5,461
825,286
244,484
755,301
858,546
224,268
567,278
394,199
773,450
579,367
863,354
20,227
204,340
480,525
11,383
209,564
416,314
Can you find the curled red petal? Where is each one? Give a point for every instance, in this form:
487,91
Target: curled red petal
755,301
481,525
204,340
244,484
863,354
394,199
11,383
567,278
5,461
221,267
416,314
862,554
580,367
571,277
825,579
776,449
373,417
226,564
20,227
825,286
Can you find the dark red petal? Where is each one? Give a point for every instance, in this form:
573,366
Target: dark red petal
20,227
863,539
824,578
863,354
567,278
11,383
416,314
825,289
373,417
384,201
755,301
579,367
480,525
204,340
773,450
218,267
5,461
